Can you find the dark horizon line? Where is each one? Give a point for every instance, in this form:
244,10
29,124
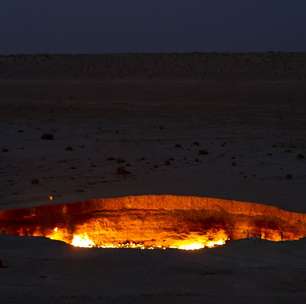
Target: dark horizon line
151,53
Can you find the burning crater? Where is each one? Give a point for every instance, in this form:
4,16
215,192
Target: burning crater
154,221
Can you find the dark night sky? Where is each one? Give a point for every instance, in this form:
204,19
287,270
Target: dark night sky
93,26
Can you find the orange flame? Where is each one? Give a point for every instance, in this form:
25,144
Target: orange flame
82,240
192,242
149,222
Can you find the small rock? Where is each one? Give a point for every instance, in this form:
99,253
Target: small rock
196,143
122,171
203,152
167,163
47,136
300,156
5,150
120,161
69,148
234,164
178,146
289,176
35,181
2,265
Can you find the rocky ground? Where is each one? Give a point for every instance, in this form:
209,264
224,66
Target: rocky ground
73,140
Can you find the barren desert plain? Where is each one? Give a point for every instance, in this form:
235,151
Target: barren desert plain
80,127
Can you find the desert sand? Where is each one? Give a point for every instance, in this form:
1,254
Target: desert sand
221,125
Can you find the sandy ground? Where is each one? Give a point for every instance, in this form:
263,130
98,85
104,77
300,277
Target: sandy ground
41,271
254,134
235,139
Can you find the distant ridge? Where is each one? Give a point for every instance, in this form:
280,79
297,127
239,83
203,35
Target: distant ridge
167,66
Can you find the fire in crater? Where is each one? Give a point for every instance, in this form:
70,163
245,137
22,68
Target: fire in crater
154,222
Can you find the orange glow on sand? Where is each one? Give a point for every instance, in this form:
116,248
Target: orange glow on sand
154,222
